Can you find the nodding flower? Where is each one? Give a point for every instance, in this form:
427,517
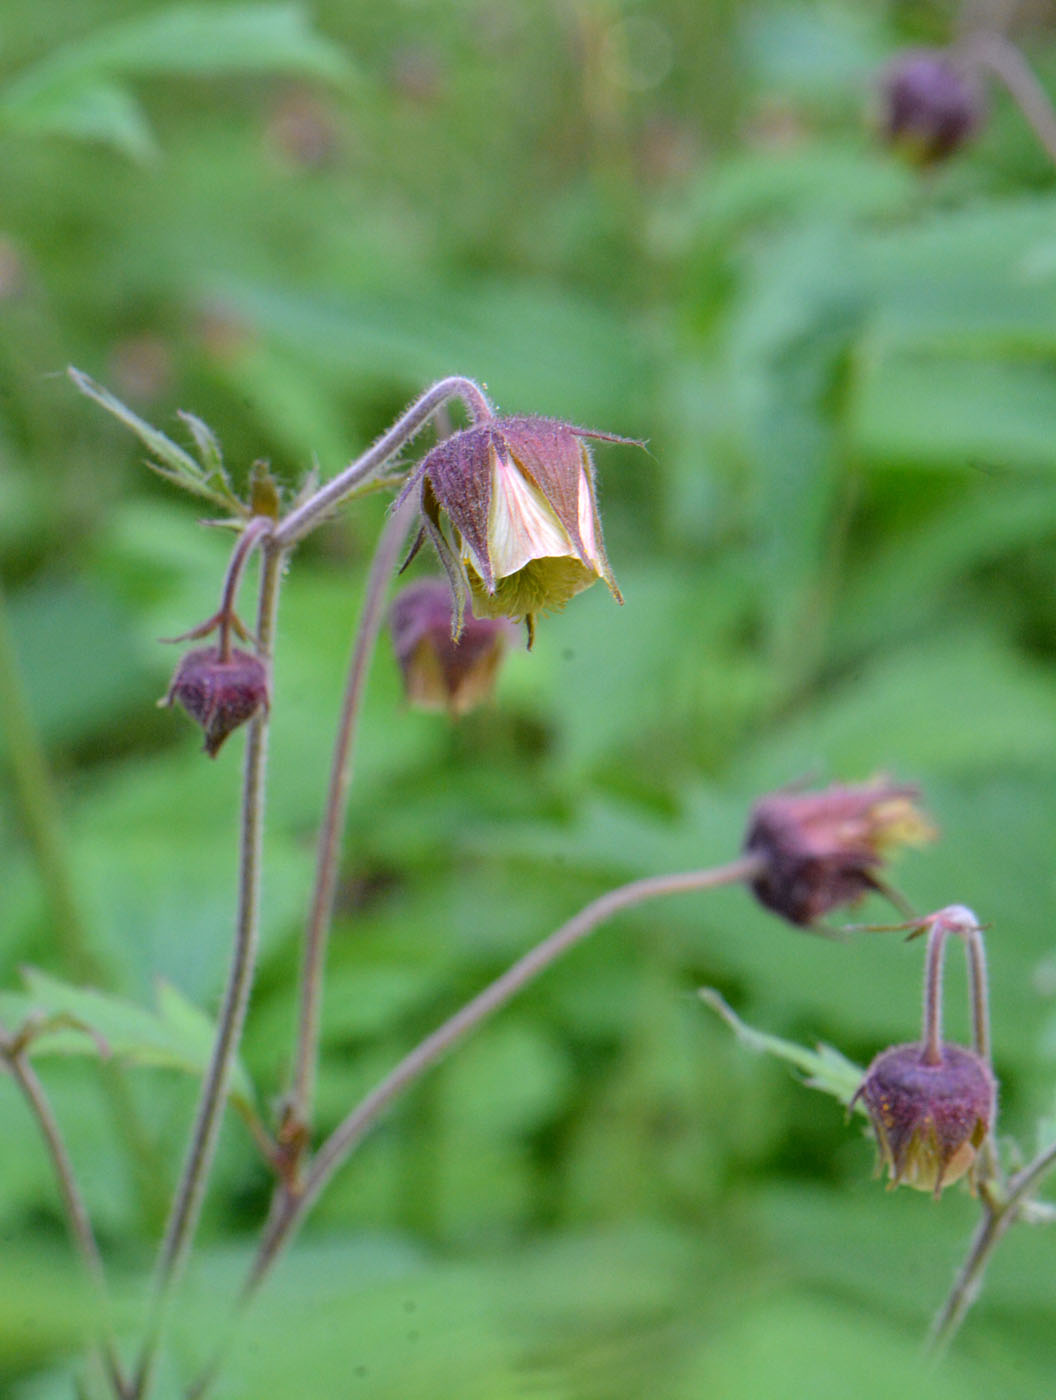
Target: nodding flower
440,673
518,496
823,849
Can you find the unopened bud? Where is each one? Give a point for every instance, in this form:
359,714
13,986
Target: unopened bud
438,672
929,105
930,1120
219,695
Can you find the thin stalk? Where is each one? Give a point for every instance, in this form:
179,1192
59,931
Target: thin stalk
289,1206
38,809
77,1217
251,536
993,51
298,1110
187,1203
350,1132
997,1217
300,521
931,1036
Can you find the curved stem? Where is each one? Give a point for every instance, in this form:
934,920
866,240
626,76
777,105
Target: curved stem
289,1206
350,1132
993,51
251,536
77,1217
931,1035
187,1203
298,1110
300,521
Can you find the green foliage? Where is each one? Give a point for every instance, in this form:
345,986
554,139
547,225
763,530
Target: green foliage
838,557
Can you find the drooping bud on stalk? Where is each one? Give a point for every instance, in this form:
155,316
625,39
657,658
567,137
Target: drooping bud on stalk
930,1120
440,673
219,695
518,494
824,849
930,105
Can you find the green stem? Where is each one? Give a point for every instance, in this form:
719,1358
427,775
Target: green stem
187,1204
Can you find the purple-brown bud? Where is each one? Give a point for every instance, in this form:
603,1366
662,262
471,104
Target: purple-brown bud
438,672
219,695
823,849
518,494
930,1120
929,105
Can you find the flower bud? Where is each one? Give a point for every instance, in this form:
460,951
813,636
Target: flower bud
929,1119
439,672
823,849
929,105
219,695
518,494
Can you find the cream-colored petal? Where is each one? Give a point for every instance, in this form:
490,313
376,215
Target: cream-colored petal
585,511
521,523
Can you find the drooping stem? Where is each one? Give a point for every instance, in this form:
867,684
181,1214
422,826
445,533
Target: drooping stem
77,1217
993,51
931,1037
251,536
350,1132
958,919
299,1107
298,523
187,1203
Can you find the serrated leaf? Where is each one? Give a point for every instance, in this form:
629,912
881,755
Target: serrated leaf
824,1068
68,1020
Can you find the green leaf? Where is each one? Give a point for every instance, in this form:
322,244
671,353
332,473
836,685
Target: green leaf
824,1068
67,1020
72,91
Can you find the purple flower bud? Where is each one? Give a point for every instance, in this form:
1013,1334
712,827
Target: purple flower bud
438,672
518,495
824,849
219,695
929,105
929,1119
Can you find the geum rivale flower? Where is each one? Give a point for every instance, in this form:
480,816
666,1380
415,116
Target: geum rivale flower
518,495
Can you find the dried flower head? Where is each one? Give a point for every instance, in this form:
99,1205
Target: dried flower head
823,849
220,695
440,673
930,1119
929,105
518,494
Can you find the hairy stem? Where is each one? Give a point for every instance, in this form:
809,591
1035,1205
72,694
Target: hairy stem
187,1204
997,1217
932,1029
289,1205
77,1217
298,1111
300,521
251,536
348,1134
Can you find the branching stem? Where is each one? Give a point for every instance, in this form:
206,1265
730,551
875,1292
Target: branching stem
300,521
187,1203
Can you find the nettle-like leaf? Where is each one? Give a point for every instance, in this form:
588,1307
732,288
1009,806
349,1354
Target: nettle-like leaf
80,90
824,1068
52,1017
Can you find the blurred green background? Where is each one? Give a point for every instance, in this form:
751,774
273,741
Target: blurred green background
667,219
